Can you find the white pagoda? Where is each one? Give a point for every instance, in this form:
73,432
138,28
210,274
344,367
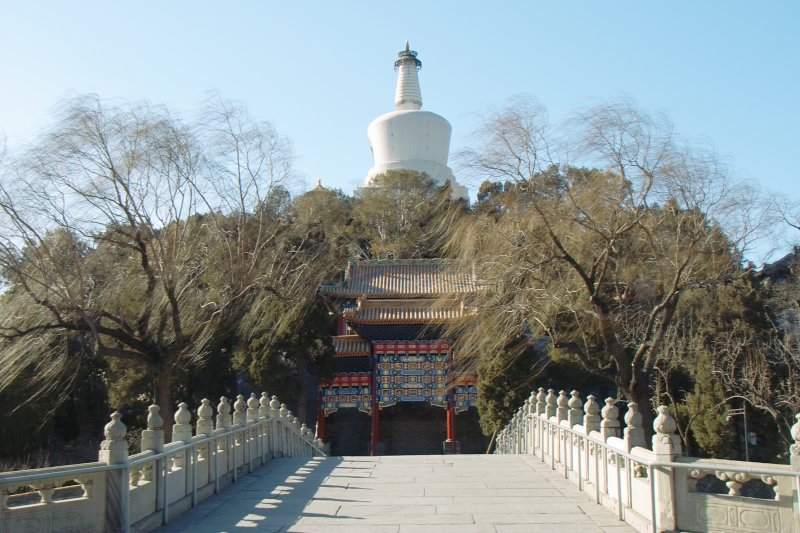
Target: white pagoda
408,137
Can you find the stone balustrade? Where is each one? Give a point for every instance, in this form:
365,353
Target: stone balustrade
122,492
653,489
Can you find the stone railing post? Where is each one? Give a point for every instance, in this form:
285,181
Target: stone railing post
295,440
634,432
562,412
204,428
205,423
319,444
114,451
223,445
251,437
252,408
153,436
609,427
530,412
274,414
575,413
591,420
264,427
541,401
283,414
263,406
239,411
274,407
182,428
223,413
552,405
304,431
294,423
182,432
153,440
666,447
290,441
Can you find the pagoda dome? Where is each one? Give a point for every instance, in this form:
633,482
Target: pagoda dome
410,138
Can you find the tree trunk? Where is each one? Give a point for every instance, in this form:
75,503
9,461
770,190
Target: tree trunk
302,403
164,400
641,395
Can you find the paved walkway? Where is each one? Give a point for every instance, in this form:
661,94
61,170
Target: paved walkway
430,493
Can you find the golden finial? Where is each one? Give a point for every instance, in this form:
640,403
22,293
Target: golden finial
319,186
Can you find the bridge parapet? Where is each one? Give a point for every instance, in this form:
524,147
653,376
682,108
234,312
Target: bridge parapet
139,492
653,489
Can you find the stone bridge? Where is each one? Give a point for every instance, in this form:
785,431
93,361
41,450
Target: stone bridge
560,465
437,494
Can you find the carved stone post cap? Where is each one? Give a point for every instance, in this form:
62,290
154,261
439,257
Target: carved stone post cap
252,402
240,404
182,415
115,430
205,411
224,407
274,403
575,401
154,420
563,399
264,400
610,410
633,418
664,423
591,408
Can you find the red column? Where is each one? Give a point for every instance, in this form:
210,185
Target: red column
451,421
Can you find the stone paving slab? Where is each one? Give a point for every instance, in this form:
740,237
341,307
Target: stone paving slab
401,494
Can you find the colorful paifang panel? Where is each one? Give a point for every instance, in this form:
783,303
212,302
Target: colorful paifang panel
412,378
466,396
347,390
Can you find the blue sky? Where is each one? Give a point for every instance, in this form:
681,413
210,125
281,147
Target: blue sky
725,72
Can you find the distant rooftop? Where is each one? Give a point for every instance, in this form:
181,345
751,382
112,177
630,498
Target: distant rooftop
414,278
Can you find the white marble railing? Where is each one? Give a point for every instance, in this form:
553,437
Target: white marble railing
140,492
655,489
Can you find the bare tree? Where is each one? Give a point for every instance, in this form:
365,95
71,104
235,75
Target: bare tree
598,259
140,231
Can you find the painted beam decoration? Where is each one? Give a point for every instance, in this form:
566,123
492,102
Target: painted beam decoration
347,390
466,393
411,372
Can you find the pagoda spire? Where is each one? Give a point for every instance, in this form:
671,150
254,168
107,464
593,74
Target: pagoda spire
407,96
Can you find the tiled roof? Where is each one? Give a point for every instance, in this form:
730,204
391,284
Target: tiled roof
418,278
350,346
403,312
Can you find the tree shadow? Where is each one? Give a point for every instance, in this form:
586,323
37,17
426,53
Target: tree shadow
272,498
